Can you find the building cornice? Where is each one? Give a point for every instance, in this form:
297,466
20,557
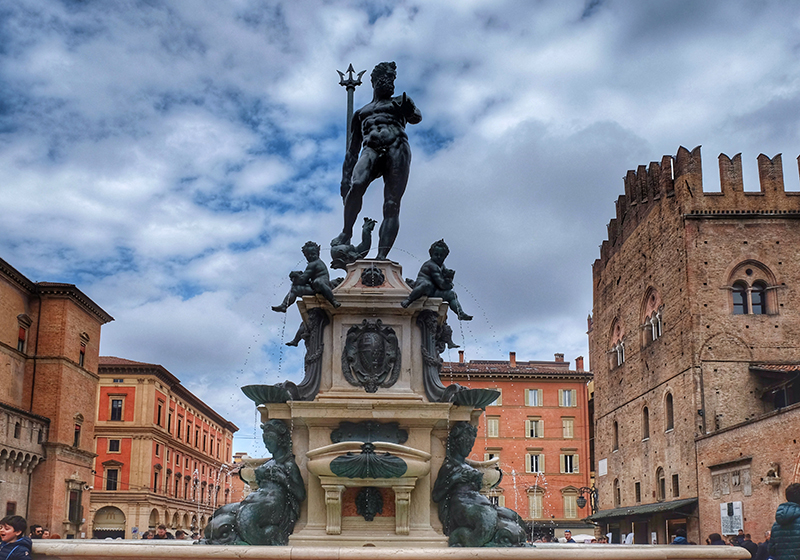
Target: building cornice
22,412
64,449
741,214
502,375
16,277
70,291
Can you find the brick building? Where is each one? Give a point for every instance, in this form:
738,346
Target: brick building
49,347
539,428
694,347
163,455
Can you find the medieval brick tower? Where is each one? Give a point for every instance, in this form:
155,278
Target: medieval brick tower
695,348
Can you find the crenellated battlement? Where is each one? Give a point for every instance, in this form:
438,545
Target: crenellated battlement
675,184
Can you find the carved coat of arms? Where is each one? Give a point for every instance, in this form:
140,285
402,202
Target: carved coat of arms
371,356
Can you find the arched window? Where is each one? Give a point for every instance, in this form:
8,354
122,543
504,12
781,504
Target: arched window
616,352
616,436
668,412
617,494
739,294
645,423
650,316
661,485
750,283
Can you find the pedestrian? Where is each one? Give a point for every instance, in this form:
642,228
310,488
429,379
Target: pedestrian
749,545
715,539
162,534
784,543
763,548
13,544
680,537
46,534
148,535
37,531
180,535
568,536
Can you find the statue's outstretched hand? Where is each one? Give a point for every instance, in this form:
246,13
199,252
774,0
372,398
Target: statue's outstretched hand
405,105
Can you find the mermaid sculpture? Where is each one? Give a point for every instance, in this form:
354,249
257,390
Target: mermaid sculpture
468,517
267,515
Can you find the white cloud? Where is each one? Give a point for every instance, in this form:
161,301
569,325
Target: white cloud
171,159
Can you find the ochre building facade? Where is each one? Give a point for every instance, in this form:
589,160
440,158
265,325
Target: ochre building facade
539,429
49,348
163,455
694,347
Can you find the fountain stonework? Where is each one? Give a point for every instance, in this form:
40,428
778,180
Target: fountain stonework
371,428
402,406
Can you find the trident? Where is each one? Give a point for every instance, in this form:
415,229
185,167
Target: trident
350,83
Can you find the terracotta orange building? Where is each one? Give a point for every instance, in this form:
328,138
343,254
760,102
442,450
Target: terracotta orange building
49,347
163,455
540,429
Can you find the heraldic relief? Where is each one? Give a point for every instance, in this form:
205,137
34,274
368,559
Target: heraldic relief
371,356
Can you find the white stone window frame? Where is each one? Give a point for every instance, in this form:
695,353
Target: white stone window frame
653,326
618,353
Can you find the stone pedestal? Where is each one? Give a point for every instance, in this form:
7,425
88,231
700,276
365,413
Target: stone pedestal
372,291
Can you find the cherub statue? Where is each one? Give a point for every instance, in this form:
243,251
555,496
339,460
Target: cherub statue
313,280
344,254
436,280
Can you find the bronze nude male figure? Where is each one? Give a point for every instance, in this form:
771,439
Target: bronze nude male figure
378,134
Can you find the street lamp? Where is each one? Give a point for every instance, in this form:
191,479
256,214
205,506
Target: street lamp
581,501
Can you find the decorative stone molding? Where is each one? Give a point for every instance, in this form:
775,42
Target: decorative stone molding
333,502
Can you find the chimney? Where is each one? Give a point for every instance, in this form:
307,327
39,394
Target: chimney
460,356
512,359
559,358
579,363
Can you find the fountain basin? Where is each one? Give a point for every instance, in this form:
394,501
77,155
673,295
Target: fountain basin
114,550
325,461
356,464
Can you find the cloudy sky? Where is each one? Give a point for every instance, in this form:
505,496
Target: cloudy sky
171,158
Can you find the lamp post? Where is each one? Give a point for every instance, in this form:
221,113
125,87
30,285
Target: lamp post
581,501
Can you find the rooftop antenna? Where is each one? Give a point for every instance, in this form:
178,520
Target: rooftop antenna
350,84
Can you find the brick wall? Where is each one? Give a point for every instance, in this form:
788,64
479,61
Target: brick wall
690,246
